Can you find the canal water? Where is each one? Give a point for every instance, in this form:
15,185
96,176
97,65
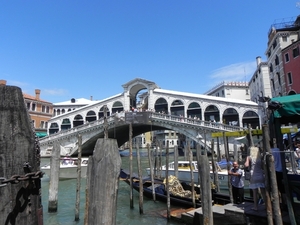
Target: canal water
125,215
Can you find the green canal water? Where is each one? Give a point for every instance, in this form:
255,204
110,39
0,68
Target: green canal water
125,215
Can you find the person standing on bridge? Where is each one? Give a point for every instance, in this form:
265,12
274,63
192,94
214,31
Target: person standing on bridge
237,183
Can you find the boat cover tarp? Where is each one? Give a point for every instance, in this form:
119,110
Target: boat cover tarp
289,112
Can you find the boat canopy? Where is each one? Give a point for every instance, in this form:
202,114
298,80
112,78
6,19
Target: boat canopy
286,108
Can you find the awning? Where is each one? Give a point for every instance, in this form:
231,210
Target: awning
286,108
41,134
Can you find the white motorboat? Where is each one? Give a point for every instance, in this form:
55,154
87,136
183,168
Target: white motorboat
184,173
68,168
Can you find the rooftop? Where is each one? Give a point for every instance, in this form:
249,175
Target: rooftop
285,23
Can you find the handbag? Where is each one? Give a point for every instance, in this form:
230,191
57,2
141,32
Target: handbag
247,175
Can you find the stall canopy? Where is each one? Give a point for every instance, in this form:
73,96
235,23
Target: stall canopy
41,134
286,108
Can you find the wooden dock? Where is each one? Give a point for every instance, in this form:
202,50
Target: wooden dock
229,214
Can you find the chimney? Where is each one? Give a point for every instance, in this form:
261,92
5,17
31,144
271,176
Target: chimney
258,60
91,98
37,94
2,82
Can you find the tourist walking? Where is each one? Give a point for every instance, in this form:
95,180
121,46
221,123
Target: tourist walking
257,181
237,183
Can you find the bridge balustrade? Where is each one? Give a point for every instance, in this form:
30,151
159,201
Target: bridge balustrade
115,118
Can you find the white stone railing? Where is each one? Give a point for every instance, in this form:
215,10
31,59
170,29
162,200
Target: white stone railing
196,122
151,115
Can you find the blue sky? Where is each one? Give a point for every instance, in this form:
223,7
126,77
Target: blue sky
77,49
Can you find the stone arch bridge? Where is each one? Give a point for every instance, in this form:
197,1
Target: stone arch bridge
117,127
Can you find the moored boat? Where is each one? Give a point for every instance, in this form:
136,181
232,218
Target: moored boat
184,173
180,192
68,168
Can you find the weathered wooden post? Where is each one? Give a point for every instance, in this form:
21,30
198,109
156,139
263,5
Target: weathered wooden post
77,205
102,183
167,183
218,150
192,175
228,166
156,164
151,171
271,182
130,165
205,150
20,173
141,199
214,169
176,161
54,178
206,198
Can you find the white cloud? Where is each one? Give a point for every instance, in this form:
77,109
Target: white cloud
234,72
55,92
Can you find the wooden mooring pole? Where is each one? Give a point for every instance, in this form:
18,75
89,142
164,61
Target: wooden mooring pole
141,199
150,158
167,183
20,183
54,178
205,183
77,204
102,183
228,165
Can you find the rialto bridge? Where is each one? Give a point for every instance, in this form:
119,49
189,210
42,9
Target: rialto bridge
148,107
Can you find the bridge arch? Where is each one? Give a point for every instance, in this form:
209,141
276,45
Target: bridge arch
66,124
161,105
194,110
101,112
90,116
252,118
78,120
231,117
212,113
177,108
117,107
54,128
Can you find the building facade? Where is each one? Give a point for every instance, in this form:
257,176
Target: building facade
67,106
40,112
291,60
260,87
232,90
281,35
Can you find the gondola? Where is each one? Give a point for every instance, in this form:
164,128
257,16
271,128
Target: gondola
181,197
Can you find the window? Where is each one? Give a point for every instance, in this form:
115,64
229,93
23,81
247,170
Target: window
33,107
43,108
274,44
289,76
28,105
279,80
295,52
284,39
42,124
271,68
287,58
273,84
277,60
